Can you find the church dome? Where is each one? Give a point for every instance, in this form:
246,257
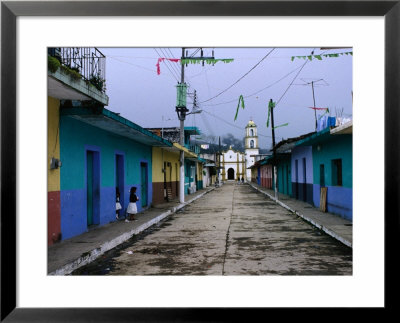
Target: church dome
251,124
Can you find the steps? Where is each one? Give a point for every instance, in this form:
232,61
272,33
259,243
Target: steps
169,193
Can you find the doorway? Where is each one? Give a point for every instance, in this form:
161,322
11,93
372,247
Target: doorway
231,174
296,174
92,187
119,177
304,180
143,183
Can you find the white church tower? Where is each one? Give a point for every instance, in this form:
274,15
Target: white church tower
250,146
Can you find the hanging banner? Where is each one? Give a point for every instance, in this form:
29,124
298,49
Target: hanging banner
271,105
318,57
314,108
237,109
326,112
207,60
161,59
282,125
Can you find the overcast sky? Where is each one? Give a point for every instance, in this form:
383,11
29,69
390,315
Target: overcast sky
138,93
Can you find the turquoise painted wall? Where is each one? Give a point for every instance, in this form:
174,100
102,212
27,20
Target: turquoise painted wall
336,147
339,198
75,138
74,135
284,176
188,176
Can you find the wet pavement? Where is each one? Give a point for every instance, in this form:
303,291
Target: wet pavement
233,230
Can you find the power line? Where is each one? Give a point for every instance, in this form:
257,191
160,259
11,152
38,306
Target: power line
291,83
168,51
241,77
232,125
250,95
167,62
177,79
139,66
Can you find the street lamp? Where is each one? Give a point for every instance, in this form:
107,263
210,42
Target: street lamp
182,111
162,125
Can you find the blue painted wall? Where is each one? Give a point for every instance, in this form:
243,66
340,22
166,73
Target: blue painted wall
303,187
339,198
76,138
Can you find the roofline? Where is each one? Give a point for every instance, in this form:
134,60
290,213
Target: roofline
135,126
341,128
316,135
101,111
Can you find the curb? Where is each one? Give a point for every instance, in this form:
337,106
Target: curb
90,256
317,225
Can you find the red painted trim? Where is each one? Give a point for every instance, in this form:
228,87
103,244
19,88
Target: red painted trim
53,217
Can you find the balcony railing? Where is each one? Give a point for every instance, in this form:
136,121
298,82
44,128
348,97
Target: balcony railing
193,148
89,62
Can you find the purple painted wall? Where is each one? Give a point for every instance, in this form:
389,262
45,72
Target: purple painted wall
298,153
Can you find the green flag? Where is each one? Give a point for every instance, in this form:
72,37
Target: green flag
271,105
282,125
237,109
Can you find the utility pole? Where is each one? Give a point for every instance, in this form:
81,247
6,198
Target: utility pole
219,158
182,111
313,83
315,110
271,104
182,140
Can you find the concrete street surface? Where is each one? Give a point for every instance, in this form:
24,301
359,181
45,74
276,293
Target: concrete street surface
233,230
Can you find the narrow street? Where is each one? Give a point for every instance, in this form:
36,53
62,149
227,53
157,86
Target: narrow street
231,231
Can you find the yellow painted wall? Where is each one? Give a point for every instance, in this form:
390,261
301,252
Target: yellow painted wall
200,176
160,156
53,143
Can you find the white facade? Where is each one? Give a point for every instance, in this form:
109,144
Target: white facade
251,146
233,165
206,177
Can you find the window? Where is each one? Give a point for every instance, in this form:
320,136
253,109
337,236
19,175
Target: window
251,143
251,132
337,172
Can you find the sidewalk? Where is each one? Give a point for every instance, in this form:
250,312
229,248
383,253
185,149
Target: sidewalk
70,254
333,225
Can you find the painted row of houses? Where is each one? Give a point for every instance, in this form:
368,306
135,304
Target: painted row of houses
315,168
93,151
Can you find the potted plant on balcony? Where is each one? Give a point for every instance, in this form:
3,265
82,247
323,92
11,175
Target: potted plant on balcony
97,81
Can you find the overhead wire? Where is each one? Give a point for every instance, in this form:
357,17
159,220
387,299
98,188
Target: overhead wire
173,75
171,65
174,66
231,124
139,66
250,95
291,83
240,77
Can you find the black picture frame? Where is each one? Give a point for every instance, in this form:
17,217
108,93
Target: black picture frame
10,10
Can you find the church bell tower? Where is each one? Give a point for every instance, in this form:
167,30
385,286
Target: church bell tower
250,146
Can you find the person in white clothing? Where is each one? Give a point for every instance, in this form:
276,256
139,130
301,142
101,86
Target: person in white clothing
132,208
